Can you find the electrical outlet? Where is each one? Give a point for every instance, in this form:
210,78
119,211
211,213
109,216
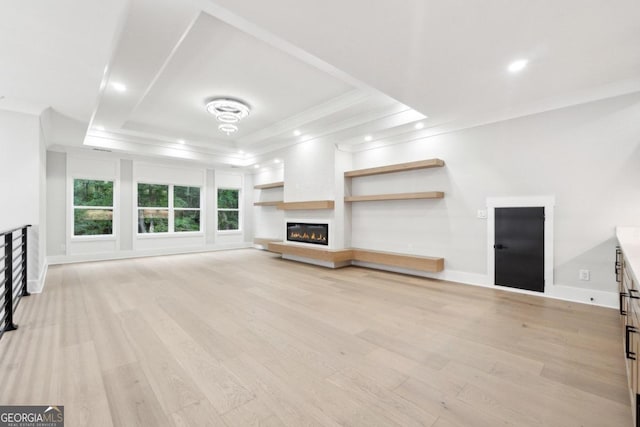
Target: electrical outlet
585,275
482,213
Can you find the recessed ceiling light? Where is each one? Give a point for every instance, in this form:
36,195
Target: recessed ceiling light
120,87
181,141
276,161
419,125
240,152
256,166
297,133
368,138
99,127
518,65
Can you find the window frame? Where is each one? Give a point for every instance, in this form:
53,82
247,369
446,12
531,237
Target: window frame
171,212
114,208
239,210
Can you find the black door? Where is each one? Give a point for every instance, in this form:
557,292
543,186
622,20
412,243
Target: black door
519,248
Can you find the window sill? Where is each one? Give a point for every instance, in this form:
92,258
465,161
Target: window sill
229,232
169,235
94,238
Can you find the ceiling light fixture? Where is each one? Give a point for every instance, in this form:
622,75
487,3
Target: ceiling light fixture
100,128
256,166
181,141
368,138
419,125
228,112
119,87
228,128
276,161
518,65
297,133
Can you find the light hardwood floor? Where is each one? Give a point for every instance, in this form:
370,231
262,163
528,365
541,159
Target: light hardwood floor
243,338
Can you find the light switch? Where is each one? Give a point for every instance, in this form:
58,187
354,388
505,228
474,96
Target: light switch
482,213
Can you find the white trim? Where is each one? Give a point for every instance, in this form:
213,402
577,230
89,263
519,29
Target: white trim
170,234
548,203
70,207
106,256
564,293
35,286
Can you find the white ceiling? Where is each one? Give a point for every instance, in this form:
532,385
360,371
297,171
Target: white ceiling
335,70
53,53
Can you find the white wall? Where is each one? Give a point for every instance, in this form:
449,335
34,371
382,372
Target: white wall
22,186
309,174
587,156
62,168
267,220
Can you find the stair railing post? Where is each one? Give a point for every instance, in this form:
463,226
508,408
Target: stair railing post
8,285
25,292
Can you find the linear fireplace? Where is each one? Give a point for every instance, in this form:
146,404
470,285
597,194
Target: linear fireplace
318,234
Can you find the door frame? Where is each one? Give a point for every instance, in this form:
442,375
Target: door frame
548,203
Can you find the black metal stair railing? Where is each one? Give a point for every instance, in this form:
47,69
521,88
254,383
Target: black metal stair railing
13,274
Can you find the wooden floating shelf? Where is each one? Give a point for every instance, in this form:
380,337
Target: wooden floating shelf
273,203
311,205
399,196
264,241
413,262
270,185
321,254
400,167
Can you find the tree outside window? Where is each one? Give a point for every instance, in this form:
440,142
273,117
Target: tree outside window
228,211
168,208
92,207
153,208
186,208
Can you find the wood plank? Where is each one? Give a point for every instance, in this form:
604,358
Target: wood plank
340,255
264,241
281,343
398,196
269,203
311,205
278,184
400,167
131,399
414,262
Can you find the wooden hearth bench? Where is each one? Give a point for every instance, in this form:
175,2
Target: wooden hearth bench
412,262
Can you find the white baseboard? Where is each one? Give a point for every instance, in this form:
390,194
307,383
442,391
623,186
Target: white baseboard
560,292
69,259
35,286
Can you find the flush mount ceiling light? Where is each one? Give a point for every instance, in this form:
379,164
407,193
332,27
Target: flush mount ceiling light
228,112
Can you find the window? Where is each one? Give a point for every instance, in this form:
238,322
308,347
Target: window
153,208
92,207
168,208
186,207
228,212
